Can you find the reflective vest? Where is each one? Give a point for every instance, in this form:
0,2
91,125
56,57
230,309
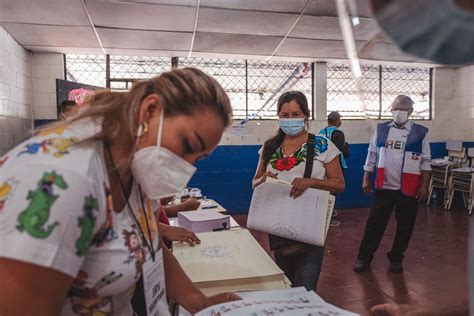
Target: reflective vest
327,132
411,172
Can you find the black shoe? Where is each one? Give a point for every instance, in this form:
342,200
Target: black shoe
396,267
361,266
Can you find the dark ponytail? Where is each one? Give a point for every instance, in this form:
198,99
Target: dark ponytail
272,144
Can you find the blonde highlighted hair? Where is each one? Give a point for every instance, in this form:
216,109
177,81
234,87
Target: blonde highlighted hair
183,91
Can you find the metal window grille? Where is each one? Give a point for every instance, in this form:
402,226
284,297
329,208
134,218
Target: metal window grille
371,96
124,70
254,86
267,80
353,100
411,81
87,69
231,76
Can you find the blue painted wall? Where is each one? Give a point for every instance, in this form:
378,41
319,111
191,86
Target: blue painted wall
226,176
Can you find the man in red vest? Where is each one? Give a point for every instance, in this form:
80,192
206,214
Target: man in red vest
400,155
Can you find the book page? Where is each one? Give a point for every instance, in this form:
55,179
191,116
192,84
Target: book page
304,219
295,303
225,255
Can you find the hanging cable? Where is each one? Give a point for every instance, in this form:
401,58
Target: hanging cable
289,31
195,27
93,27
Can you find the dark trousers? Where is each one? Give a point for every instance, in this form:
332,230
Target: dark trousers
302,269
385,201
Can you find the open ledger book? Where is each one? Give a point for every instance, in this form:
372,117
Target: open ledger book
304,219
294,302
230,260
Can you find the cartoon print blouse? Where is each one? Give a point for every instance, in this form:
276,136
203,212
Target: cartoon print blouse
291,166
56,211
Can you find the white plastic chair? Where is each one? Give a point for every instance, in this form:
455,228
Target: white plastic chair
441,168
461,179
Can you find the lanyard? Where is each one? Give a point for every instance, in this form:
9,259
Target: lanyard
149,245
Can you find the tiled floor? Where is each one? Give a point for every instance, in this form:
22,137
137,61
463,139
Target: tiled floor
435,275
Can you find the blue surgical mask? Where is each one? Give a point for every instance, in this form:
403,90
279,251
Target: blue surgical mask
292,126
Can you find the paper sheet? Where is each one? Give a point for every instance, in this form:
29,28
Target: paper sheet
294,302
305,218
226,255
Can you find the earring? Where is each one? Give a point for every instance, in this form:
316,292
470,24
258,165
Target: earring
142,129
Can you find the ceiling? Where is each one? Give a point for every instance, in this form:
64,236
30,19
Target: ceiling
252,29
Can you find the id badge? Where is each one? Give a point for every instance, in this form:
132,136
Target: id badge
154,286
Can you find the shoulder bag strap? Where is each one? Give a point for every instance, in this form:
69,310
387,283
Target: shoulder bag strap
309,155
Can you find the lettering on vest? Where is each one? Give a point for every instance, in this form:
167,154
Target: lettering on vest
397,144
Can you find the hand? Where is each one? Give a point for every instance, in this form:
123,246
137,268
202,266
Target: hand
299,186
191,204
391,309
422,193
180,234
264,178
221,298
386,310
366,185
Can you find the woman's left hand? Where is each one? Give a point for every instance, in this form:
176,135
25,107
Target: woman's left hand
173,233
299,186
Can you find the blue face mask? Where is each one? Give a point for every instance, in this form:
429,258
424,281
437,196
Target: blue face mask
292,126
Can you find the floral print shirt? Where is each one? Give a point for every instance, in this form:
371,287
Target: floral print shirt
289,167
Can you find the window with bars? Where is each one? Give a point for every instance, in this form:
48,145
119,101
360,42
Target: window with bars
86,69
254,86
372,95
268,80
231,75
125,70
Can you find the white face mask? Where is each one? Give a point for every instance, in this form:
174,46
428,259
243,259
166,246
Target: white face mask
400,117
159,171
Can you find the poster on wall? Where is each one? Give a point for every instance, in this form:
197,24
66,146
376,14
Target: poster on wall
68,90
73,91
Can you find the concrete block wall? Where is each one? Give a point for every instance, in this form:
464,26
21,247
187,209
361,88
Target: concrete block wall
46,68
16,93
462,124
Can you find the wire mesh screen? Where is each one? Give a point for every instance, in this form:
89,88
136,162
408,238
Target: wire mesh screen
87,69
124,70
353,100
410,81
372,94
268,80
231,76
254,86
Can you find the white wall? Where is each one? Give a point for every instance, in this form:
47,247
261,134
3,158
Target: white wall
16,93
463,115
46,68
27,89
453,112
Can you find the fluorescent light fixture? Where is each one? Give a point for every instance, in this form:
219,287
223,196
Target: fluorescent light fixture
348,37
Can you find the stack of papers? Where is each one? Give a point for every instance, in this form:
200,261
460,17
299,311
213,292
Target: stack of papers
291,302
229,261
304,219
204,221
